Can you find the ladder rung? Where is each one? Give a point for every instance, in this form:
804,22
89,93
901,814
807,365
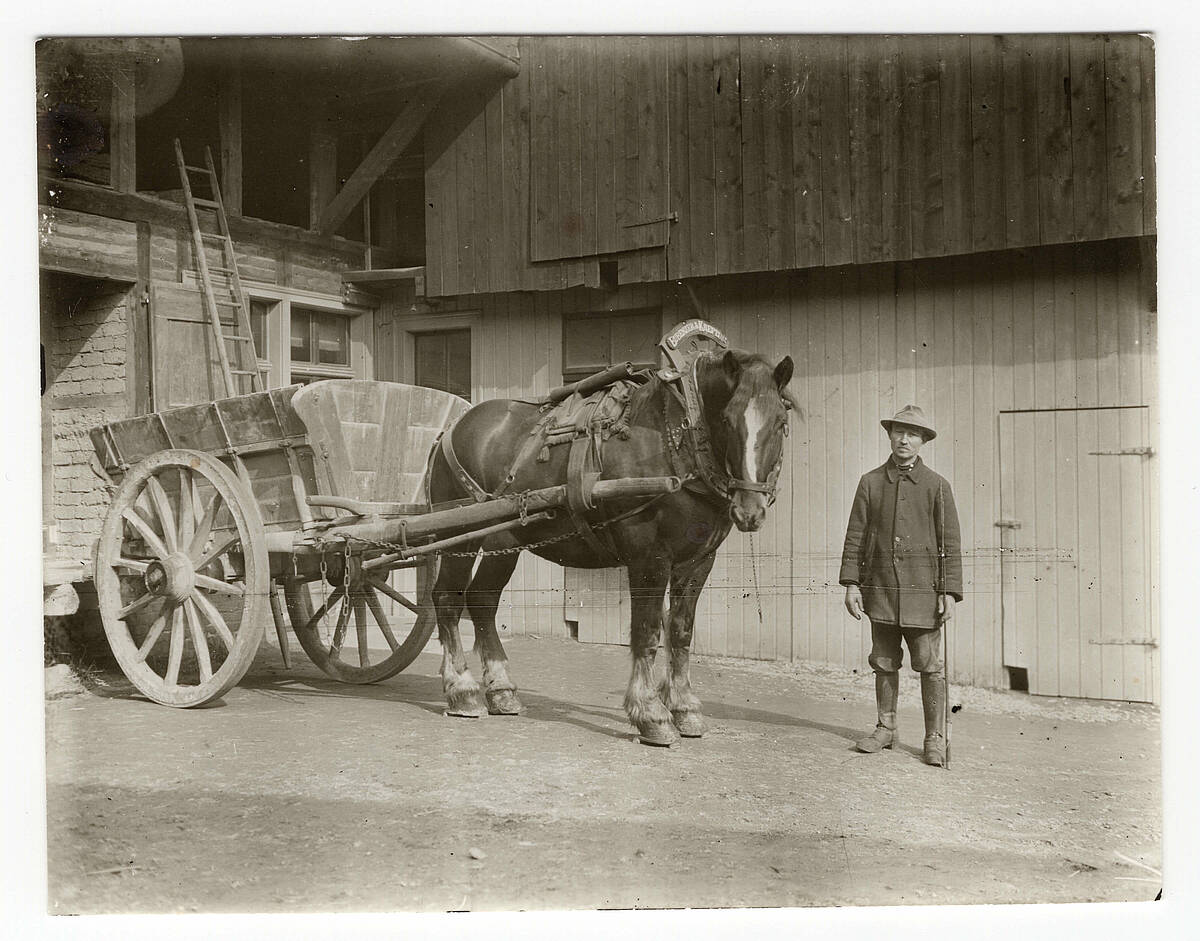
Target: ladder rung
243,339
244,372
219,268
208,203
213,235
187,166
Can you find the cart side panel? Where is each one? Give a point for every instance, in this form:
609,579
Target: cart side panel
370,439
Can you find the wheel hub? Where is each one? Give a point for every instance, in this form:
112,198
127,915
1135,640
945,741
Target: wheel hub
172,578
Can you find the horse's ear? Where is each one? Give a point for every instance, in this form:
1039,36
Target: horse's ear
783,372
731,365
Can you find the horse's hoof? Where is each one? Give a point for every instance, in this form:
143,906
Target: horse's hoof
503,702
467,707
660,734
690,724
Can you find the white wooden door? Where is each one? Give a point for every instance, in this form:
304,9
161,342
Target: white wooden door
1077,561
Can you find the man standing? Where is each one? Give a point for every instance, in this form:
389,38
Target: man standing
902,564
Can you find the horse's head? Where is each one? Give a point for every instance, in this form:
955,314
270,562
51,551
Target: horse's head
746,402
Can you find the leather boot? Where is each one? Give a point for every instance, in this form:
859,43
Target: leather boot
933,699
887,687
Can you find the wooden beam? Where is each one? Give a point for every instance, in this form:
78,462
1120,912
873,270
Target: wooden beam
135,207
122,163
322,166
229,118
385,151
387,277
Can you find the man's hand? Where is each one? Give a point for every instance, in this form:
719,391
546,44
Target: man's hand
854,602
945,609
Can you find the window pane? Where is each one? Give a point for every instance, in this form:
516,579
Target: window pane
586,343
634,339
594,341
258,326
301,337
443,361
333,339
458,366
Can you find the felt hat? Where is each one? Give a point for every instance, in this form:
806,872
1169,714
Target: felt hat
910,415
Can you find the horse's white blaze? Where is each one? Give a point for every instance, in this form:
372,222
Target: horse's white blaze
755,419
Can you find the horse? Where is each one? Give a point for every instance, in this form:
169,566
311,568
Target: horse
670,540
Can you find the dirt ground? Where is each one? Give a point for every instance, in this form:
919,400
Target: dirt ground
298,793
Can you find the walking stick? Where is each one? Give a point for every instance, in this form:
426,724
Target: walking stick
946,683
947,713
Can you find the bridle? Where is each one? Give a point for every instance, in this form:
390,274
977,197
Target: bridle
717,478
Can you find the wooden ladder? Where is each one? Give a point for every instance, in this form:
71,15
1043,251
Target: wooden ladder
239,371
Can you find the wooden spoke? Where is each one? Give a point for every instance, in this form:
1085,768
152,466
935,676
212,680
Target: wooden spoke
187,508
339,633
381,619
393,594
320,612
175,659
136,605
205,527
134,564
215,584
198,640
213,616
218,550
154,633
360,629
162,506
144,529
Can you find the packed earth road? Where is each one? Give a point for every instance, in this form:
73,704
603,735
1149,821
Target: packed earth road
297,793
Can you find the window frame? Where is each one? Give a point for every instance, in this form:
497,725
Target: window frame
652,311
409,326
277,369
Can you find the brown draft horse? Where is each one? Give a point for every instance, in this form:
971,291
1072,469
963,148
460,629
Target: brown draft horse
671,541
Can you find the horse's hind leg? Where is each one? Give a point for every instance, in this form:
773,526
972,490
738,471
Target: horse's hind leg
449,594
647,586
687,581
483,597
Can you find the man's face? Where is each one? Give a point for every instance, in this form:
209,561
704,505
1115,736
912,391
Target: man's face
906,442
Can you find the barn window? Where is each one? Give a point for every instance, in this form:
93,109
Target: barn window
442,360
592,341
320,345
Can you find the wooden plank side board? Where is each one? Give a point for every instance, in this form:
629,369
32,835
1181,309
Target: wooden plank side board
1089,149
1122,98
836,186
1052,73
956,144
815,150
987,169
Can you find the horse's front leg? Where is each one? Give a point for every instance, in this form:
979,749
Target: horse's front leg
449,595
687,581
483,597
647,587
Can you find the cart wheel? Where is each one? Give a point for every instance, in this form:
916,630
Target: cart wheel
346,655
182,576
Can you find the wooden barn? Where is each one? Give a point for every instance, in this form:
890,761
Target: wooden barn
963,222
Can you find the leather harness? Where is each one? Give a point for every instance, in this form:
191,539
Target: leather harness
586,421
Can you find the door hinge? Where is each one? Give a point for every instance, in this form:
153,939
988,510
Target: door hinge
1124,643
1142,452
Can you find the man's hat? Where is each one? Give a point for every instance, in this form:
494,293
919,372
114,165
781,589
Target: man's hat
910,415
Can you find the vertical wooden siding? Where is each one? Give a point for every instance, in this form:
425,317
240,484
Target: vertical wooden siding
1065,327
786,152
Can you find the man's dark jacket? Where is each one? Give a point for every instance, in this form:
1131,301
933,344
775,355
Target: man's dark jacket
902,544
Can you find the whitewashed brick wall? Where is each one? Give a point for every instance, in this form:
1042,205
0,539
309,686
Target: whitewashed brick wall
85,366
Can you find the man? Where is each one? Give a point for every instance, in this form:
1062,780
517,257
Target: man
902,565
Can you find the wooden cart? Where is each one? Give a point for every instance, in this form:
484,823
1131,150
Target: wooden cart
316,493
